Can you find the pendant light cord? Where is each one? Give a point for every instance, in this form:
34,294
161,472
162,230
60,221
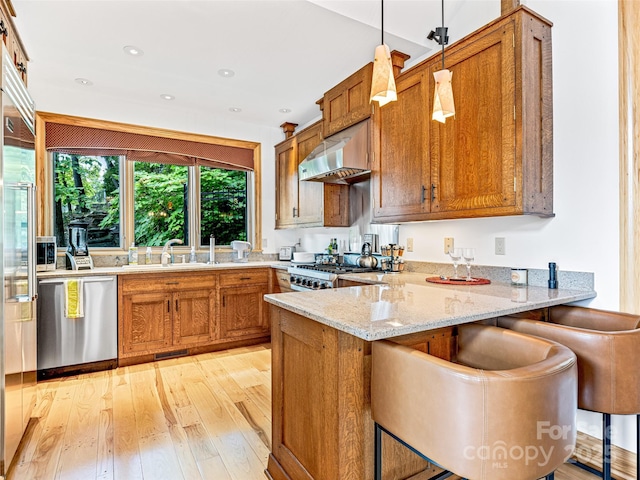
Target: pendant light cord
381,22
442,40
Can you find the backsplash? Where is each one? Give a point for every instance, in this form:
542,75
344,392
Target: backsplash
536,277
122,259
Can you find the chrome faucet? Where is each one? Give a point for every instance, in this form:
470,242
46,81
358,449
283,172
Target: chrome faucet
166,257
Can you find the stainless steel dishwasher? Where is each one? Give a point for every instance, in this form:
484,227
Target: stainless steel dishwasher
81,337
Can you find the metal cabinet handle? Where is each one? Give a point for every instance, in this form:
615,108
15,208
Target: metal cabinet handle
423,193
433,192
168,306
177,309
3,29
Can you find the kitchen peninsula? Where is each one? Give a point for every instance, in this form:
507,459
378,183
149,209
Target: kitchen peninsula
321,363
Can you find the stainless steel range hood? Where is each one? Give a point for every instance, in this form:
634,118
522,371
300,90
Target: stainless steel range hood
341,158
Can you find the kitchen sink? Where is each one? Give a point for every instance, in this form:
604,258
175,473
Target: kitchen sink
155,266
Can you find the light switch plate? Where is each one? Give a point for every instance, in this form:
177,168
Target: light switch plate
501,246
409,244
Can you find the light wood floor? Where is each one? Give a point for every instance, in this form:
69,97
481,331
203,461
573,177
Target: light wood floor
201,417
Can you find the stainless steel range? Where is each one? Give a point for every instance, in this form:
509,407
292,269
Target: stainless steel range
320,276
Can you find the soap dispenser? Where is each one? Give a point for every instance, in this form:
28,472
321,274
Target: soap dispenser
192,256
133,254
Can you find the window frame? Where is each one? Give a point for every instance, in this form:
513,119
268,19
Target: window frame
44,167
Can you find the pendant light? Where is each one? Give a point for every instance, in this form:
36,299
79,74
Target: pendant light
443,106
383,85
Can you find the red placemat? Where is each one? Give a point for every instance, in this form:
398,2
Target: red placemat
462,281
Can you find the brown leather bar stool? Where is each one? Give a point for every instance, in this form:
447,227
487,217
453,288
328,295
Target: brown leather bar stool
607,345
504,409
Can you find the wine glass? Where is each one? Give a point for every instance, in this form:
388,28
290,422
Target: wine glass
456,255
468,255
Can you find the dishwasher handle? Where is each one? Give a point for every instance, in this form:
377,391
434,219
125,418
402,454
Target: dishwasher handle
60,281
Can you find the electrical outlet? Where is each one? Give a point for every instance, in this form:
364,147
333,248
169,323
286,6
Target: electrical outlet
501,246
409,244
448,244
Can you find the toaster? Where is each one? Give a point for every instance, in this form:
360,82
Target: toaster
286,253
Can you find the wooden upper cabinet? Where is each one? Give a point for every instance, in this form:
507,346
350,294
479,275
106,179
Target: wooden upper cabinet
286,183
310,194
474,155
495,157
400,178
306,203
348,102
11,39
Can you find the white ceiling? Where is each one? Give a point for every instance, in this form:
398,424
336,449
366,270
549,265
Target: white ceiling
285,53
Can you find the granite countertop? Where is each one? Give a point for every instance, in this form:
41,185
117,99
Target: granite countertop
156,268
405,303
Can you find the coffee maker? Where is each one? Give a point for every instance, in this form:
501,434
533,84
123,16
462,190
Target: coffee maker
78,257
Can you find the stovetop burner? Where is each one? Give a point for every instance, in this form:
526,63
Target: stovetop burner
337,269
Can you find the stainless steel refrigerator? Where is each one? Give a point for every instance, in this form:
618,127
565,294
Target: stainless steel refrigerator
18,359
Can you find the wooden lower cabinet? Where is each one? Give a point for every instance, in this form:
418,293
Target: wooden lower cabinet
194,317
145,319
242,312
322,426
177,314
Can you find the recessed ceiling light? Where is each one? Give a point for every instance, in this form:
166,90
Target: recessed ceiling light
166,96
285,110
226,73
133,50
235,109
84,81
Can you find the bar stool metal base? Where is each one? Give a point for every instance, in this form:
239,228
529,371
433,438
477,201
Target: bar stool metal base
605,474
377,443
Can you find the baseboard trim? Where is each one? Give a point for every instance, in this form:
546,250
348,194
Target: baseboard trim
589,451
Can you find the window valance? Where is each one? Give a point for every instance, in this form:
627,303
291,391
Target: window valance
79,140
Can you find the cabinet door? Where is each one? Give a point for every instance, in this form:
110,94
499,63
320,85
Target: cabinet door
336,205
348,102
310,194
145,323
400,177
286,183
242,311
474,155
194,317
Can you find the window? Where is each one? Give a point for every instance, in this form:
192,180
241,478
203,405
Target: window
148,185
87,188
160,203
223,205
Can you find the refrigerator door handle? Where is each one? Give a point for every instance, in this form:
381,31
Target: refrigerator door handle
31,240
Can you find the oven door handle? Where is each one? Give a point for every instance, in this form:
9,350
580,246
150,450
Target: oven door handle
299,288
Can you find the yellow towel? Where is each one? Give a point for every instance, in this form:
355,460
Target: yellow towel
74,307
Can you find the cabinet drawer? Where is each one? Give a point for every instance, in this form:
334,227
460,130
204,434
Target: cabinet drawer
282,283
159,282
244,277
